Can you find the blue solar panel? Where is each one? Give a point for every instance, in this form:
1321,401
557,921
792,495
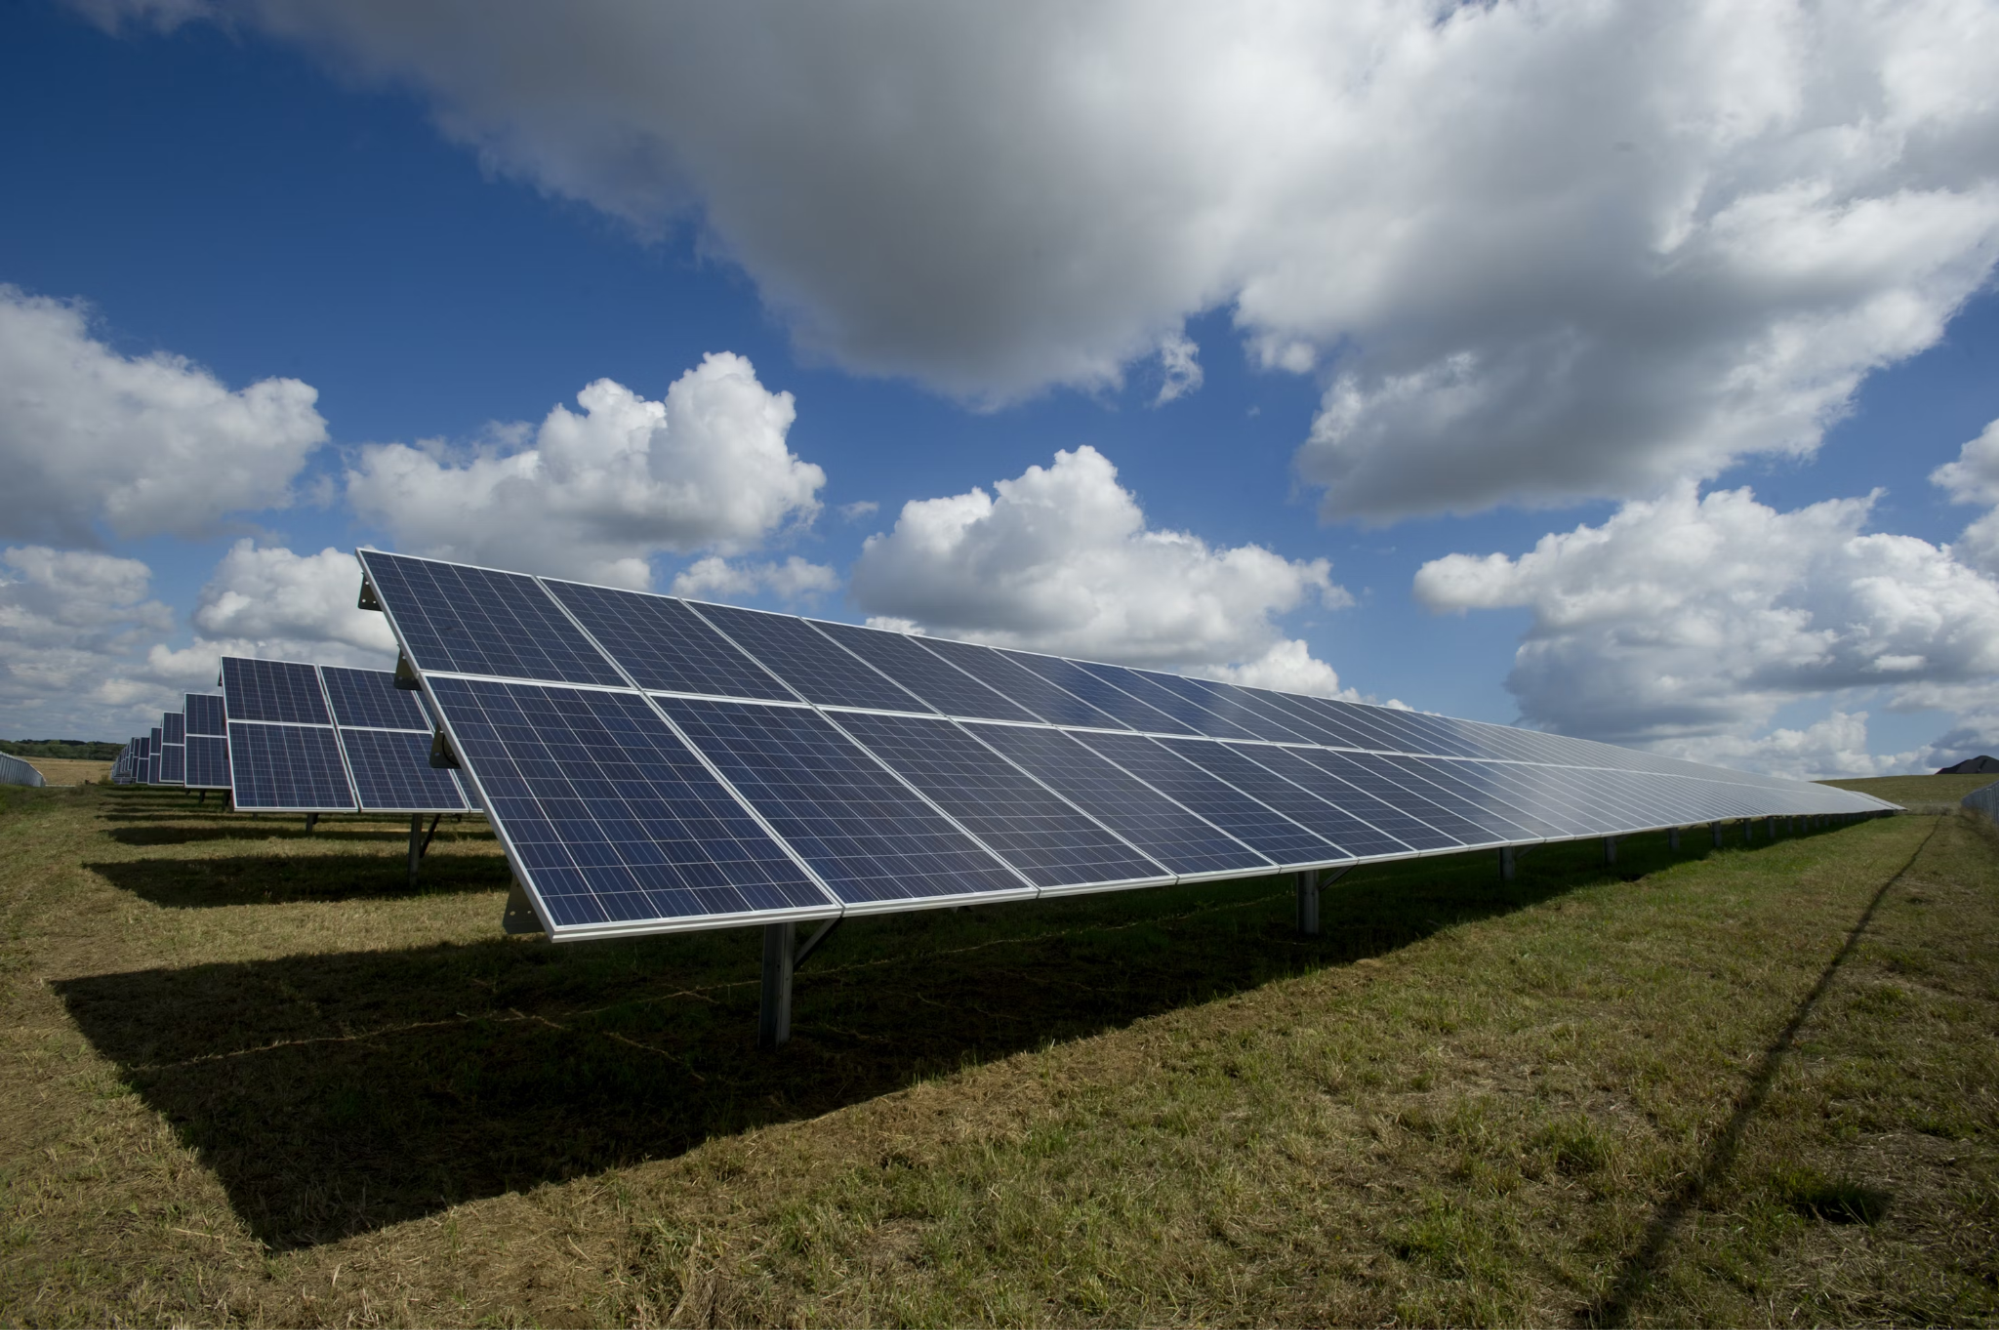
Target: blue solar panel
153,755
1388,818
1298,712
287,769
1019,685
206,714
207,762
173,764
482,622
370,698
1195,716
610,818
664,645
1506,823
816,667
173,728
1250,821
1358,772
1297,802
942,685
1181,840
392,773
869,837
1106,698
273,691
1490,785
1026,824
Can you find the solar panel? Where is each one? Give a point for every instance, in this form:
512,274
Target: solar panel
1019,685
612,822
205,714
285,691
1183,841
1269,833
153,756
482,622
817,668
1045,837
869,837
173,728
664,645
208,762
945,687
278,768
370,698
652,764
173,764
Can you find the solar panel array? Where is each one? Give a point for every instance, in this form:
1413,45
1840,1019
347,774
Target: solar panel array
653,764
153,747
326,739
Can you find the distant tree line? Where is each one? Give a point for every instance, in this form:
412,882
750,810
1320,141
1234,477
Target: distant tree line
61,748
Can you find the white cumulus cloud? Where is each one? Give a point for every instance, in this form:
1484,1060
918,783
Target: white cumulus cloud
70,621
139,445
1538,250
794,580
1974,479
594,495
1695,617
1060,559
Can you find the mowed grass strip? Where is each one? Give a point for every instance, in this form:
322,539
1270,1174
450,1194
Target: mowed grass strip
253,1076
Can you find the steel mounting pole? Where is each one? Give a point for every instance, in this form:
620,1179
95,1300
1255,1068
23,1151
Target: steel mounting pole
774,1013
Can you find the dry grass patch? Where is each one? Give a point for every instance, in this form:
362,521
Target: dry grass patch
1919,794
252,1076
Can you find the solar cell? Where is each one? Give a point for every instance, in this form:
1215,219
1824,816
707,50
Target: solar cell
1178,838
1193,717
173,764
664,645
392,773
370,698
925,674
1232,704
173,728
1368,773
868,836
813,665
1105,697
1030,827
1249,821
483,622
153,757
279,768
207,762
1291,710
273,691
1395,815
205,714
611,822
1295,799
1506,820
1019,685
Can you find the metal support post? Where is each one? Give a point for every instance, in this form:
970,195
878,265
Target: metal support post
1769,829
1308,903
1506,864
774,1013
1716,829
310,819
1672,838
1610,850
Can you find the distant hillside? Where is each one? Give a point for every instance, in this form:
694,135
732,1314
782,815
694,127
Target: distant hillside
60,748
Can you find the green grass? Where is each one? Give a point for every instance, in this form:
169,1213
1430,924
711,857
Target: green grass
253,1076
1919,794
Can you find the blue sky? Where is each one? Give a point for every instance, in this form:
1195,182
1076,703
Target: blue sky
448,239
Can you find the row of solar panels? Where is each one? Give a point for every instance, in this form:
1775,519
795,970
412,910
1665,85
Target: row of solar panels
653,764
287,737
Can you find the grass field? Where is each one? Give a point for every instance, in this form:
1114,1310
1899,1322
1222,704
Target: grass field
250,1076
71,771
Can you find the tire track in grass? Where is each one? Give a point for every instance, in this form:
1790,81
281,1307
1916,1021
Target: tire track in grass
1614,1309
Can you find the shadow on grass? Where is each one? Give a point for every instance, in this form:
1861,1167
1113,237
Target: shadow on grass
338,1093
253,880
179,832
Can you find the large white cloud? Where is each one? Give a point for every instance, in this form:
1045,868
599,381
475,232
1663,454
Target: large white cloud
69,623
1060,559
1539,250
1692,617
142,445
595,495
1974,479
